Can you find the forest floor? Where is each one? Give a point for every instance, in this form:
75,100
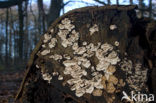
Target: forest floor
9,85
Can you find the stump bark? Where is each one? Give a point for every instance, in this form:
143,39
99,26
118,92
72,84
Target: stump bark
91,55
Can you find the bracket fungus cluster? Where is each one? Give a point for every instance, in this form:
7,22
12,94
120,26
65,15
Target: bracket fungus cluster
90,59
80,65
137,79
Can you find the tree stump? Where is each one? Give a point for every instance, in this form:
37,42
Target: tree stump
89,55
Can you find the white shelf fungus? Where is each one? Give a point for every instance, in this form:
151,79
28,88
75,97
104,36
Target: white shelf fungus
116,43
52,30
113,27
89,88
60,77
92,68
61,26
104,62
75,46
47,37
62,34
102,65
80,92
47,77
52,43
80,50
84,43
106,47
45,52
86,64
66,21
64,28
66,56
112,58
66,24
56,57
37,66
43,45
69,63
74,36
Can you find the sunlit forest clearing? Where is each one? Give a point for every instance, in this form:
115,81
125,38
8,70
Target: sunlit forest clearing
23,22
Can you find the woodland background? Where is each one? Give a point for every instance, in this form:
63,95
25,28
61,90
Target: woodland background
22,22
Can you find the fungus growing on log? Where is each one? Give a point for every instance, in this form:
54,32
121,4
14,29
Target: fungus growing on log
87,63
113,27
93,29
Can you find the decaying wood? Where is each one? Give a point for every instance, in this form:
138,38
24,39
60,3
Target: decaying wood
113,27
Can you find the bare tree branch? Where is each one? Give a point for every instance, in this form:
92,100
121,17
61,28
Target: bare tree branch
66,3
81,1
9,3
100,2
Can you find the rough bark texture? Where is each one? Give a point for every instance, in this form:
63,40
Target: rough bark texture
116,24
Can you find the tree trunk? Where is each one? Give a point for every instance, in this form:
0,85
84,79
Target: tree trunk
41,16
21,31
89,55
108,2
10,35
117,2
54,11
141,8
1,41
131,2
6,40
26,36
150,8
36,30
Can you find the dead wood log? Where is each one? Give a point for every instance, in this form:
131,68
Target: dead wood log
89,55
